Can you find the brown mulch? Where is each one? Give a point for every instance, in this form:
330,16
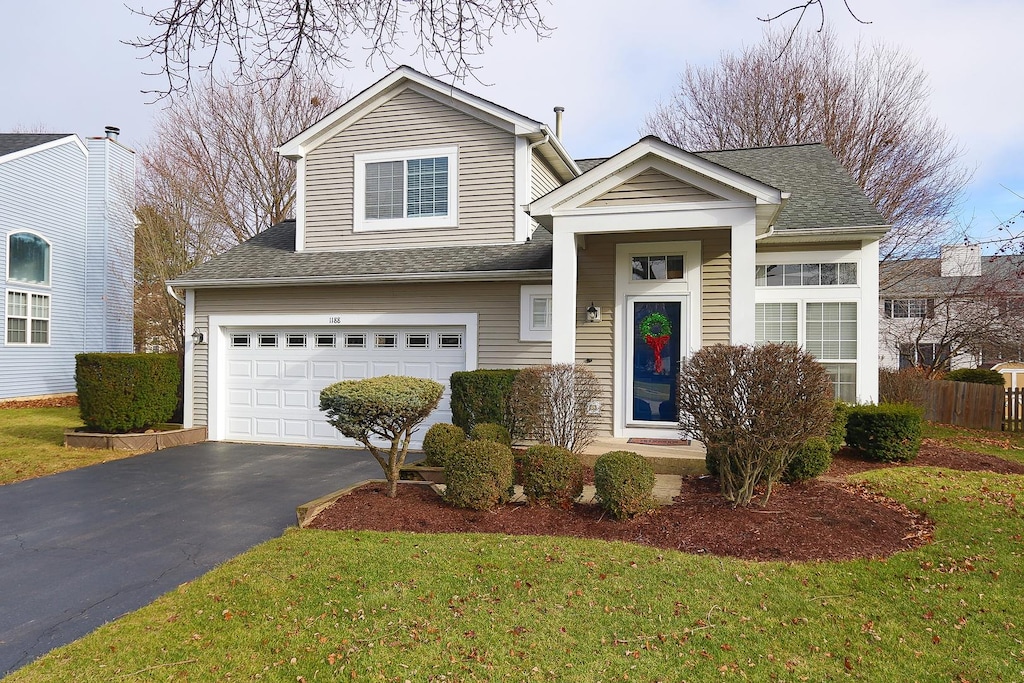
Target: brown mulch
817,520
51,402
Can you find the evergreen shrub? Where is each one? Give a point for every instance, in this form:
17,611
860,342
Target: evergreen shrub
890,432
551,476
624,483
440,441
479,475
124,392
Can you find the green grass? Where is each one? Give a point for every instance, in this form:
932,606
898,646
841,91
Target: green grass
1009,445
324,606
32,444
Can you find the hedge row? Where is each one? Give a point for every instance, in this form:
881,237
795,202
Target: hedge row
124,392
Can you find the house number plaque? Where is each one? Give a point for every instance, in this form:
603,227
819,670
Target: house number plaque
334,319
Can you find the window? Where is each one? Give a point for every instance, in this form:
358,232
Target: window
535,313
325,341
355,341
909,308
385,341
663,267
28,318
828,332
28,259
417,341
406,189
268,341
924,355
239,341
805,275
449,341
296,341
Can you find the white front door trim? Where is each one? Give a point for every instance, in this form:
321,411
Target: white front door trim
669,430
218,343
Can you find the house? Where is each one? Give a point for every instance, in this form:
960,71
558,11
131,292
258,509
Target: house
436,231
961,310
66,242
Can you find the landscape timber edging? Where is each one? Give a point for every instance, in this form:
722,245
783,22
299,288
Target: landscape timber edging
150,441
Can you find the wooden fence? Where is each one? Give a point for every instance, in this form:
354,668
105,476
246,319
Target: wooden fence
977,406
1013,420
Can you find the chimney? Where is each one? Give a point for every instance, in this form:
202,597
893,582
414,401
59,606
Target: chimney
558,122
111,132
960,260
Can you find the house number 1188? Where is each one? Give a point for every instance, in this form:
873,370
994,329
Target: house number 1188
334,320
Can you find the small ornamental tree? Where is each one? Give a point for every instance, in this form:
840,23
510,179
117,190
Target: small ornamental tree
552,404
753,406
387,408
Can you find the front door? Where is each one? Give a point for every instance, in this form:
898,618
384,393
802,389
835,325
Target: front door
657,333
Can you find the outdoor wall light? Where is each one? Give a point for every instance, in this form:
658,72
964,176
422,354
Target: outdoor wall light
593,313
197,336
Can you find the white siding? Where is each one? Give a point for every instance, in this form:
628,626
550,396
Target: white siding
45,193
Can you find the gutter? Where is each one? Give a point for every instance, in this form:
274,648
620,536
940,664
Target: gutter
173,295
540,274
860,231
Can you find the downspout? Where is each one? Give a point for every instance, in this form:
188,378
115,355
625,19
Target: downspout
769,233
531,146
170,292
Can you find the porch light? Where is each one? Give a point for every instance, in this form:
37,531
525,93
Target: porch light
593,313
197,336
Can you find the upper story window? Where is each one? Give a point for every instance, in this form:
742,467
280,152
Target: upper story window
406,189
28,259
909,308
660,267
805,274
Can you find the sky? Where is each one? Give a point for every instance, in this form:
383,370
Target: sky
608,63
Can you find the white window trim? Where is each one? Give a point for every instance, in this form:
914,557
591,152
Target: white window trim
28,318
527,294
359,221
49,260
795,257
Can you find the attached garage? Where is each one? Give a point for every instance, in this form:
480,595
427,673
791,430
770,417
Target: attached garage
267,379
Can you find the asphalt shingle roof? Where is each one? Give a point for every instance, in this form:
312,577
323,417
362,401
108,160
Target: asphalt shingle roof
913,278
271,254
15,142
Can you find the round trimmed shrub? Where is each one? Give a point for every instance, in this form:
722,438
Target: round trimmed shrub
490,431
552,476
479,475
124,392
810,461
976,376
624,482
440,441
886,433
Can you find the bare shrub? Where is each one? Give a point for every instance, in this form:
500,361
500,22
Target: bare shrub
909,385
550,402
754,406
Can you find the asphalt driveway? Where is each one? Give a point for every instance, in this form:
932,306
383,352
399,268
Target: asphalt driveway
81,548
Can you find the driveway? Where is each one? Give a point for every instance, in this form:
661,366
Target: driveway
81,548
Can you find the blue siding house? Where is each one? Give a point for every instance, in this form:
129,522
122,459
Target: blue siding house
67,249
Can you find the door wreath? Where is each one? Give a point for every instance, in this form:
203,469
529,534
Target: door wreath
656,329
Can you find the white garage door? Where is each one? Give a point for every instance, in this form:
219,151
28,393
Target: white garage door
274,375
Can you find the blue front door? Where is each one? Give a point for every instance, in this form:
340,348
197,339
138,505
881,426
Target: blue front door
657,331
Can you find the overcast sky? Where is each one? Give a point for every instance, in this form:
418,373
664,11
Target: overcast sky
608,63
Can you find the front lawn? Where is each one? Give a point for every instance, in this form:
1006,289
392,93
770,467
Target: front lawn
32,444
1009,445
399,606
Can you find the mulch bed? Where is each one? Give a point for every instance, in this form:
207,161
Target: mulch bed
823,520
52,402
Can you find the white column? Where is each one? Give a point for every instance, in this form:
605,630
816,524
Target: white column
563,296
867,325
742,291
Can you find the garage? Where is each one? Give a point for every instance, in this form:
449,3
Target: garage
271,377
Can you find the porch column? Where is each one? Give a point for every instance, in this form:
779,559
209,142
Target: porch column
563,297
742,291
867,325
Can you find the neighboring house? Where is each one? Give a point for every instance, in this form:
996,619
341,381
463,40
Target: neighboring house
66,242
437,231
961,310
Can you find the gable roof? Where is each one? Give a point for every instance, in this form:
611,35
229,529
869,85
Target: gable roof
270,259
17,142
912,278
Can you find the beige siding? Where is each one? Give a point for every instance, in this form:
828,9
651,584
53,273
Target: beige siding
497,305
652,187
486,183
542,178
596,267
763,248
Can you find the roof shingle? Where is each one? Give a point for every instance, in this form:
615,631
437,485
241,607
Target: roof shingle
15,142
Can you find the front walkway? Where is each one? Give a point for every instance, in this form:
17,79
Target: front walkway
666,459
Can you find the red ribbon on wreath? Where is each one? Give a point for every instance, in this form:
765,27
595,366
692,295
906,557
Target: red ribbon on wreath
656,330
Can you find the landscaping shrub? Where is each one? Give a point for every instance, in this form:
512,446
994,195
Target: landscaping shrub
624,482
440,441
835,436
909,385
886,433
976,376
752,407
551,403
551,476
388,408
479,475
810,460
489,431
122,392
483,396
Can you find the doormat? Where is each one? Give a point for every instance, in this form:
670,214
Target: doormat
660,442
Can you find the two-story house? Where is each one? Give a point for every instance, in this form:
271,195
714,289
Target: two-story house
436,231
66,242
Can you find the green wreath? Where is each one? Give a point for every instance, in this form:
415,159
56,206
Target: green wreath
659,319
